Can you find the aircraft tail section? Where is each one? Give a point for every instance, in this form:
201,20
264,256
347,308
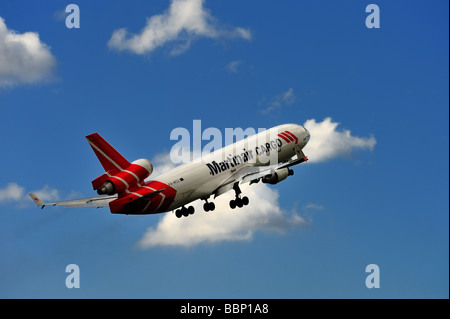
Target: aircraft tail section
111,160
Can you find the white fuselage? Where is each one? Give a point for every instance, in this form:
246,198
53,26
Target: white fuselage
201,177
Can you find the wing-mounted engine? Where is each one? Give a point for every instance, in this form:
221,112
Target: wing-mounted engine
277,176
117,181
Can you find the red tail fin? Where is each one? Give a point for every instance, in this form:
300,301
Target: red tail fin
110,159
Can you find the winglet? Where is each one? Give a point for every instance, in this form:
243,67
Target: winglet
36,200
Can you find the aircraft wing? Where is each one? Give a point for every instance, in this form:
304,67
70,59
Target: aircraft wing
99,201
254,174
264,171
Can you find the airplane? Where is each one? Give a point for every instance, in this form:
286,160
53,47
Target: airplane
267,156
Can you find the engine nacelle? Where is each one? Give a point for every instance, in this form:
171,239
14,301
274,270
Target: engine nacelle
278,176
125,179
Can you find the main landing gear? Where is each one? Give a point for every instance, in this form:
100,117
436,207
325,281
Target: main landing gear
238,202
209,206
183,211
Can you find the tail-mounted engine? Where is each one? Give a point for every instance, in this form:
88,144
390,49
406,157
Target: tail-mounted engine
117,181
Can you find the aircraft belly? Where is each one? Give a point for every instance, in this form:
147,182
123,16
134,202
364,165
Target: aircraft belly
203,186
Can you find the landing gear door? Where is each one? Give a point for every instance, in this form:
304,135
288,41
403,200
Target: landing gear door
299,152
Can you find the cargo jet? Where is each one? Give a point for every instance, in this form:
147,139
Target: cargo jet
265,157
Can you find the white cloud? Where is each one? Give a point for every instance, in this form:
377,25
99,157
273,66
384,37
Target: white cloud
328,142
180,24
224,223
60,14
12,192
286,98
241,32
233,66
312,206
47,194
23,58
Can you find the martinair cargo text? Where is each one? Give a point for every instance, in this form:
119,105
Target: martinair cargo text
266,157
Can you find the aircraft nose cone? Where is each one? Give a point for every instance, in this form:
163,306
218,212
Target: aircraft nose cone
307,136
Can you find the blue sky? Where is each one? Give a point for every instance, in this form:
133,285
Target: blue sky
377,98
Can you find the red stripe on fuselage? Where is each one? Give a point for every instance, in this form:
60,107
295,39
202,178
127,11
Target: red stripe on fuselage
136,202
292,135
287,136
284,138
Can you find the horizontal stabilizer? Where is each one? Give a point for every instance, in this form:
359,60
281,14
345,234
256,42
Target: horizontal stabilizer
99,201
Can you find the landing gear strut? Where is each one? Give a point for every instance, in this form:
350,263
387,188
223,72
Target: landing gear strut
238,202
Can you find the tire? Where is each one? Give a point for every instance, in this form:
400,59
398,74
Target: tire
178,213
212,206
185,212
245,200
191,210
232,204
239,203
206,207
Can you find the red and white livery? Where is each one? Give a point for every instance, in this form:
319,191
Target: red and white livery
126,188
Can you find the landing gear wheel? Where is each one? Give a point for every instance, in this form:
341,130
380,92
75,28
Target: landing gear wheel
178,213
191,210
239,202
245,200
232,204
185,212
209,207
